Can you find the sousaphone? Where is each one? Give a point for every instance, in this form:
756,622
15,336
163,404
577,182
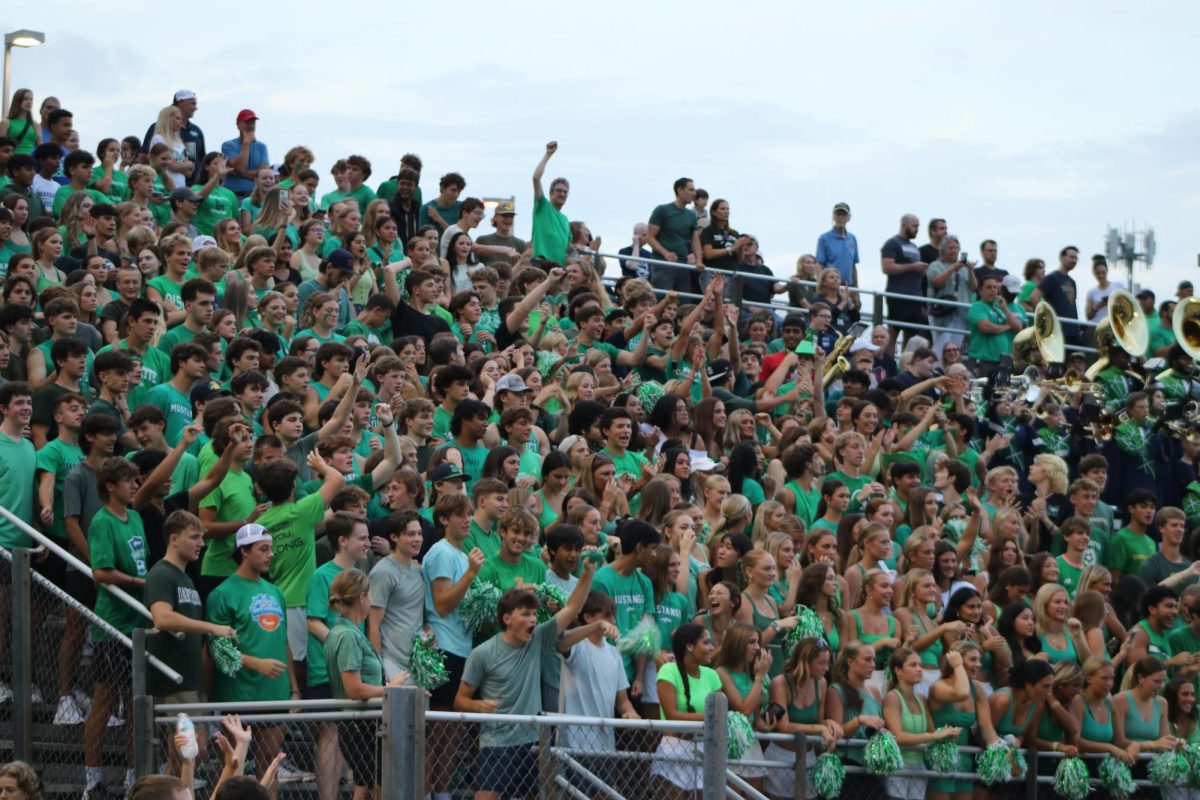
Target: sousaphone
1043,339
1186,325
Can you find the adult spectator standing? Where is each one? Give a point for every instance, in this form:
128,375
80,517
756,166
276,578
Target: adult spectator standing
245,155
674,235
950,278
937,231
493,247
405,204
1058,289
992,324
721,244
551,228
905,271
988,252
1096,305
748,261
838,248
193,137
358,169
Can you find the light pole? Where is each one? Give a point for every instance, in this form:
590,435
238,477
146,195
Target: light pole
21,38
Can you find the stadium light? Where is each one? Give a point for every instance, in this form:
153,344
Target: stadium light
21,38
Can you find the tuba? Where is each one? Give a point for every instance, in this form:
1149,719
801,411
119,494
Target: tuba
1105,342
1186,325
1128,323
1043,341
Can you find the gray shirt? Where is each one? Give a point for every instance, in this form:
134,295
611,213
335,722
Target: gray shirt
958,288
80,499
590,684
400,592
512,676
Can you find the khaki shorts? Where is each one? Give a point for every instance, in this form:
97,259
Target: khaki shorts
180,698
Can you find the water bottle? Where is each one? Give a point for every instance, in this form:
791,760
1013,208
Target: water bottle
190,748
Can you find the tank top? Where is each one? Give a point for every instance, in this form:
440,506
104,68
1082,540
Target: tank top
1048,729
950,715
870,708
804,715
881,654
743,683
22,132
931,654
1006,724
1193,733
833,636
1055,655
806,501
1159,647
548,516
762,622
1092,729
912,722
1136,728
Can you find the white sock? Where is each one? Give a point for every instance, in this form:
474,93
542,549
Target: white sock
129,778
94,776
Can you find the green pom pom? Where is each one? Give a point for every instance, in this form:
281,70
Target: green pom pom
225,655
1071,779
882,755
1115,777
942,755
808,626
551,600
994,764
426,664
828,775
478,608
643,639
1192,754
1170,769
650,392
740,736
1018,762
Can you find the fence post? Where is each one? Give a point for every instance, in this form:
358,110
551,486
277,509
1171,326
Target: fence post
143,736
403,732
21,651
1031,774
716,716
546,763
801,768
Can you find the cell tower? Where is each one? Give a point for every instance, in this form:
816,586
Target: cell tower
1121,246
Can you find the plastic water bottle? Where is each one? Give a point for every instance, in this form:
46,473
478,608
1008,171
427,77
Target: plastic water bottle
190,748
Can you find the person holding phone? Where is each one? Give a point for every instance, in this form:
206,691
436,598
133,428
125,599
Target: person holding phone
743,665
797,693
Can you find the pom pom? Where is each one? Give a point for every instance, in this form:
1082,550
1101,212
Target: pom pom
1170,769
642,639
808,626
1192,754
649,393
426,664
994,764
551,600
1115,777
942,755
1071,779
741,735
478,608
225,655
882,755
828,775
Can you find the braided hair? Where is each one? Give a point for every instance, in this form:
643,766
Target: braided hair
686,634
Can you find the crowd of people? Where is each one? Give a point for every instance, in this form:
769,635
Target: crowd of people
310,418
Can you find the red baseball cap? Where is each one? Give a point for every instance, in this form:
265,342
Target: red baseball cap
245,115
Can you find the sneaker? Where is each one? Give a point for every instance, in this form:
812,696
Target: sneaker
35,695
114,721
290,773
82,701
6,693
68,712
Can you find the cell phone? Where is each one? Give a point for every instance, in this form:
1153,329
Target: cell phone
776,711
963,257
858,329
359,352
284,195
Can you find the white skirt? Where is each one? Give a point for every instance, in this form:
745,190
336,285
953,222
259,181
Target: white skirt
689,777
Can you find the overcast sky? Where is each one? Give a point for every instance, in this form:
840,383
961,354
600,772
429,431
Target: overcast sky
1034,123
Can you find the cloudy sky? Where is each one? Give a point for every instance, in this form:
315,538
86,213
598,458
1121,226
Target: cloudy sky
1034,123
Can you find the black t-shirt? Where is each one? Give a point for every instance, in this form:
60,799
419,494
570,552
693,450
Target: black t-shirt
429,534
407,321
1058,289
754,290
929,253
720,240
153,519
903,251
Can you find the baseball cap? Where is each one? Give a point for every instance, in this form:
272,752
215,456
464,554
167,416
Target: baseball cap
504,207
342,259
183,193
252,533
706,464
718,369
1011,283
204,391
864,344
201,242
446,472
512,382
841,207
245,115
184,94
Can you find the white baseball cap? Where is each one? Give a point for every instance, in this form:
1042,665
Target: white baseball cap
252,533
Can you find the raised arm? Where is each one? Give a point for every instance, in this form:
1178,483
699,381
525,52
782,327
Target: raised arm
518,315
574,605
540,169
391,447
346,404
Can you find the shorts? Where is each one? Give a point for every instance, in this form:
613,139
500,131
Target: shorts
905,788
297,627
362,748
689,777
52,568
907,313
112,664
507,771
322,691
443,696
81,588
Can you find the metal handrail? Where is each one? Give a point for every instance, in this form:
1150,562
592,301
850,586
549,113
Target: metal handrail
61,552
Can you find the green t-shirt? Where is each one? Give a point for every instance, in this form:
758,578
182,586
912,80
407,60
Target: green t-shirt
346,649
1128,550
692,699
513,677
363,196
292,526
255,610
175,406
551,231
987,346
220,204
156,367
381,335
675,228
118,189
473,458
318,608
628,463
441,423
634,598
168,288
671,611
64,193
233,500
177,335
58,458
752,490
488,541
166,583
1068,575
504,575
855,485
118,544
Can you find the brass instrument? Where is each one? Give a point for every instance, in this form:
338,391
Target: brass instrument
835,360
1105,428
1042,342
1186,325
1128,323
835,370
1027,385
1105,342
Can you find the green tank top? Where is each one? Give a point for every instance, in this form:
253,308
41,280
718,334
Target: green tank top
1007,724
548,515
1055,655
931,654
912,722
1092,729
956,717
870,708
1048,730
743,683
881,654
833,637
1159,647
806,502
762,622
1193,732
1138,729
804,715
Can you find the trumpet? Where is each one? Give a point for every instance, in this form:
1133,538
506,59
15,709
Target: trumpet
1184,430
1105,428
835,361
1072,383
